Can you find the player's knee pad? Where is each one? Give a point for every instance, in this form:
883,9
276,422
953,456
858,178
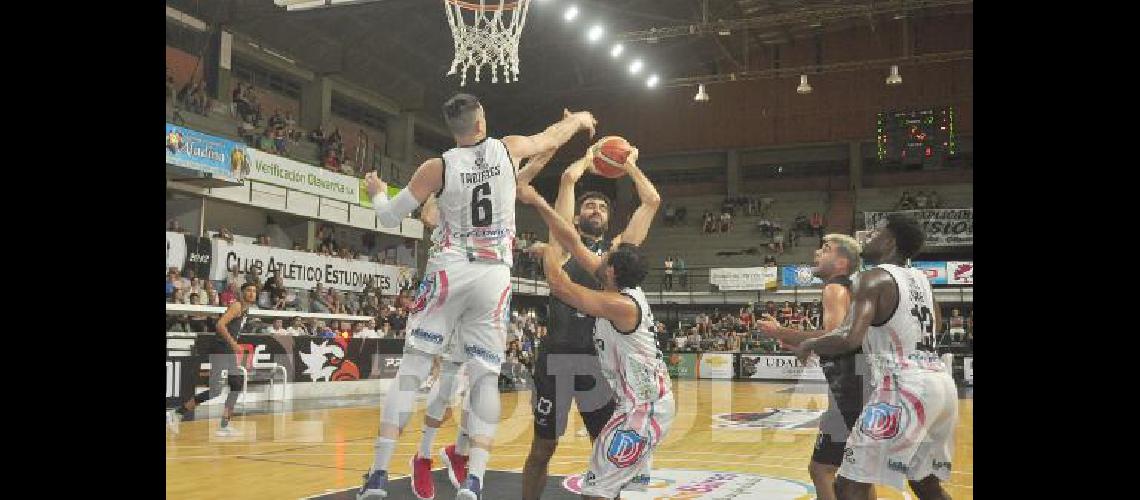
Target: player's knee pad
443,392
484,406
401,399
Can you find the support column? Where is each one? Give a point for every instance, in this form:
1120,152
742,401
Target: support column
311,242
316,103
732,172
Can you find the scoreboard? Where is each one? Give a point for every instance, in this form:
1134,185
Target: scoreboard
923,137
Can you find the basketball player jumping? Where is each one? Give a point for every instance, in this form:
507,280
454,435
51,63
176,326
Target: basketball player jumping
835,262
447,375
625,339
905,433
566,367
223,359
467,277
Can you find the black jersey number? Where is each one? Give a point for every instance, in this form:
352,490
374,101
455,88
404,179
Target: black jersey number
481,205
924,317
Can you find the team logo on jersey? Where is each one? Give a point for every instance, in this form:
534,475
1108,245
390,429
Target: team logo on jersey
881,421
624,448
916,294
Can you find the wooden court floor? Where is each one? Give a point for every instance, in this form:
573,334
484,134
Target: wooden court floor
296,454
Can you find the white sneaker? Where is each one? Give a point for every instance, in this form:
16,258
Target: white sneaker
173,418
227,431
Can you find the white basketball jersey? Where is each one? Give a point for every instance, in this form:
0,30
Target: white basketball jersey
893,347
631,361
477,204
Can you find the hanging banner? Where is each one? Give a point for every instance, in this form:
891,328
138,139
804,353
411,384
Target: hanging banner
222,158
305,270
793,276
778,368
935,270
943,227
292,174
188,253
960,273
744,278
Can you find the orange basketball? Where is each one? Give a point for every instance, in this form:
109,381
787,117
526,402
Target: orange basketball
609,156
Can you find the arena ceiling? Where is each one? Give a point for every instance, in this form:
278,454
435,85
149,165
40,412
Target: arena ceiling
403,48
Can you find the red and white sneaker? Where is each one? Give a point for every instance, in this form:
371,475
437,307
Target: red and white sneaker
422,485
456,465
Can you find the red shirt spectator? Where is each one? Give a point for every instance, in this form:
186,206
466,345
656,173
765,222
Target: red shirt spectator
226,296
746,317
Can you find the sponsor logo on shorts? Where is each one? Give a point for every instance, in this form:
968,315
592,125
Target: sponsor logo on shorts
849,455
897,466
426,336
703,485
770,418
881,421
624,448
543,406
941,465
483,354
426,291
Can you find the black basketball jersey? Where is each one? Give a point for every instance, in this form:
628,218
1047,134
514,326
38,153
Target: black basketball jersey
843,378
570,331
234,327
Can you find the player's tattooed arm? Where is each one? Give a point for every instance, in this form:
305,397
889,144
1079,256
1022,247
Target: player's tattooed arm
619,309
560,230
642,218
868,288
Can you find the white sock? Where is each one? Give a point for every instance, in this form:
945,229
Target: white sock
384,448
426,440
477,464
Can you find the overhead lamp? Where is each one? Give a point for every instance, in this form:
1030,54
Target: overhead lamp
894,78
701,96
805,87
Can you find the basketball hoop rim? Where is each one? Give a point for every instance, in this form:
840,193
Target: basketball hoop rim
474,6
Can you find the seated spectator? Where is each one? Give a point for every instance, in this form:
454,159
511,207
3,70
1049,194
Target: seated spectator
670,214
765,226
297,327
709,225
800,223
777,244
793,238
769,260
725,221
679,218
933,201
920,200
330,161
173,282
956,325
278,327
317,136
906,202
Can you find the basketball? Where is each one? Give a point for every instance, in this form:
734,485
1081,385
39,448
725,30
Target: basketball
609,156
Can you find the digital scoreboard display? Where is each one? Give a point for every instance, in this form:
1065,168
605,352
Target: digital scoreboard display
924,137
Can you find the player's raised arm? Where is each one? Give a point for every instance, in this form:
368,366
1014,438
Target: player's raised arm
560,229
619,309
522,146
427,180
642,218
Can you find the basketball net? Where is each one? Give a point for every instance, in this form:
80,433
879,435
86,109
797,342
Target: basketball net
486,32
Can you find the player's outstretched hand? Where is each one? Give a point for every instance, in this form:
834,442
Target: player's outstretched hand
802,353
585,120
375,185
631,160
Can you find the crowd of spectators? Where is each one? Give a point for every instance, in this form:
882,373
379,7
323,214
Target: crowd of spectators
920,201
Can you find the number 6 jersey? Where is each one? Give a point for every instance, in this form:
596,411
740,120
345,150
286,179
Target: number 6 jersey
892,348
476,204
